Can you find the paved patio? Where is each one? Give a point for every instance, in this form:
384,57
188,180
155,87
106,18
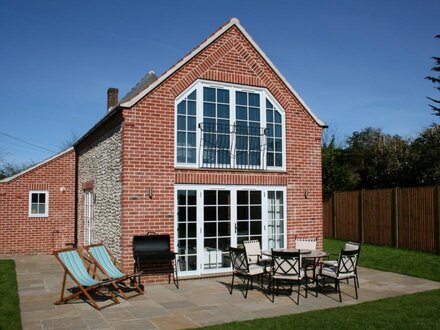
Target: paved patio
196,303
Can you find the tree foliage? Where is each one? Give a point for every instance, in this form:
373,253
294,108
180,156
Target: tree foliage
373,159
435,79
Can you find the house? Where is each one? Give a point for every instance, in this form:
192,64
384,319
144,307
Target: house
217,150
37,207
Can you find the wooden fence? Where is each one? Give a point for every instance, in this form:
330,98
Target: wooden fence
400,217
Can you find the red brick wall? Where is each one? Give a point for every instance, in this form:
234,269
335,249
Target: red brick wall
21,234
148,146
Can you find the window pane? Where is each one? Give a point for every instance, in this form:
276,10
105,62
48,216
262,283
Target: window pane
191,108
181,197
223,95
224,228
278,131
256,212
270,159
209,110
192,230
192,198
42,209
242,197
209,94
241,113
210,229
181,230
255,227
191,153
242,228
241,98
42,198
181,155
191,124
223,213
181,125
192,96
278,159
242,212
181,214
270,144
210,197
34,198
223,111
181,139
210,213
255,197
192,214
34,209
254,100
277,117
181,108
191,139
223,197
278,145
269,116
254,114
269,105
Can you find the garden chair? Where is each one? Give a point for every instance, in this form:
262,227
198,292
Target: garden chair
308,244
243,270
349,246
345,269
253,253
103,259
286,268
74,265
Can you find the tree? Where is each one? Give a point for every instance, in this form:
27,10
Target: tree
435,79
425,157
9,169
337,172
379,159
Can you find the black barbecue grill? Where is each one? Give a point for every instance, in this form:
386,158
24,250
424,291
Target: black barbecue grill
152,255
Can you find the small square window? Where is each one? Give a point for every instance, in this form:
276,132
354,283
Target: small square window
38,204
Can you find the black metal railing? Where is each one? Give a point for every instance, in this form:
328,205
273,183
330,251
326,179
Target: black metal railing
235,146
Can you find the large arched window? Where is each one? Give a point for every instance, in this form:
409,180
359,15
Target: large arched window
229,126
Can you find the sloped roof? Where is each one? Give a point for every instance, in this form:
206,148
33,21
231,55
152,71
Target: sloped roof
129,102
146,81
6,180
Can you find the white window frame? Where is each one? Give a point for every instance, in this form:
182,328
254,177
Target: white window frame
38,215
199,188
263,92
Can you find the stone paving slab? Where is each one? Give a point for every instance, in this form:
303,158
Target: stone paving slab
196,303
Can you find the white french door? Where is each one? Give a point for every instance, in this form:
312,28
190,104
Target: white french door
209,219
88,217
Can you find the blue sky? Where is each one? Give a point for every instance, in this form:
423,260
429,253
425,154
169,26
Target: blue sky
355,63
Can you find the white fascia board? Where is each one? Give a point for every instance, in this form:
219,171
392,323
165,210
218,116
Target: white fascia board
207,42
5,180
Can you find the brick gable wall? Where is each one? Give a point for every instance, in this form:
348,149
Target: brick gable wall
148,147
21,234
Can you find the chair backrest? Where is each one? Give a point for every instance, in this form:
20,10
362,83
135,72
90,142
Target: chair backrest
305,243
253,250
238,259
101,255
347,261
351,246
73,262
286,263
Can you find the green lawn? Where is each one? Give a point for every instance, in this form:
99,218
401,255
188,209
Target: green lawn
413,311
408,262
9,303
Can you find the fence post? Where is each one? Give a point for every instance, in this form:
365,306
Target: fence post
438,219
396,218
361,215
334,213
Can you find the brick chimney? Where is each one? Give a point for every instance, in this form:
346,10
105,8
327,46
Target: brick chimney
112,97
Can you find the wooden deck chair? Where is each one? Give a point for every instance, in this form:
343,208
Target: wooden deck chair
105,261
74,265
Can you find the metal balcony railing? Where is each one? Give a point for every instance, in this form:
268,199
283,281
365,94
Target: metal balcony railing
234,146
